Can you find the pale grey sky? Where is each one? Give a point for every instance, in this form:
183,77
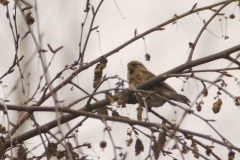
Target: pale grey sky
60,24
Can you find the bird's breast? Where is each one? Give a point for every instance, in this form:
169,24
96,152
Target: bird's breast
135,79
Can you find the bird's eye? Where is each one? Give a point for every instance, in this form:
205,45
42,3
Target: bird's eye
131,71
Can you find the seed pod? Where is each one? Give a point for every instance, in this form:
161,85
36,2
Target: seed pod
103,110
237,100
199,108
195,149
22,154
4,2
98,71
147,57
139,112
217,106
184,148
115,114
52,149
138,147
60,155
75,155
232,16
205,92
209,150
129,142
2,129
231,155
109,98
158,145
30,19
122,99
2,145
103,144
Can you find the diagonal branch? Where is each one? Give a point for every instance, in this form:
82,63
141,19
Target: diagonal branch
144,85
46,127
157,79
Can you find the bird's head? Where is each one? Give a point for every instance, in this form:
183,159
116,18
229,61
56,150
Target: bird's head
135,65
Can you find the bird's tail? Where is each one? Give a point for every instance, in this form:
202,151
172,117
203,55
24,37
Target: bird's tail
180,98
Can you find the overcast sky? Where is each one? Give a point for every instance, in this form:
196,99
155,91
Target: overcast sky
60,25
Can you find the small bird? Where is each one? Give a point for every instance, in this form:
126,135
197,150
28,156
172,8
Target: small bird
138,73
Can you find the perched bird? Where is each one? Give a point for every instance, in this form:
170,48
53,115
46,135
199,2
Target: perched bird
138,73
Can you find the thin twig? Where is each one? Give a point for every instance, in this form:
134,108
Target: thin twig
89,33
204,27
114,147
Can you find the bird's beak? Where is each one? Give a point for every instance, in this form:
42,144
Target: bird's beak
130,68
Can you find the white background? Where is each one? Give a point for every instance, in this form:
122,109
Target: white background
60,24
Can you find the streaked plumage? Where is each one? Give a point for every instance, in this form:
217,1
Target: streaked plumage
138,73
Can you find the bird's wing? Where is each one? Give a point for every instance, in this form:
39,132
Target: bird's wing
166,86
168,92
147,75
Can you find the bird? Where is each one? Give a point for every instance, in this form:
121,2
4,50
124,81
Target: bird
138,74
